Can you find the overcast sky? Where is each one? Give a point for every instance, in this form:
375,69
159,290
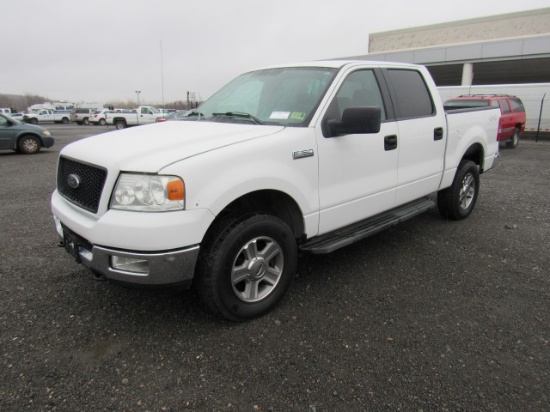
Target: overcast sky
105,50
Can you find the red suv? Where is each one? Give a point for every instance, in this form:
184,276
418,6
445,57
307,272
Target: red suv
512,120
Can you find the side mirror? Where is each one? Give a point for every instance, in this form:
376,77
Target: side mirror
357,120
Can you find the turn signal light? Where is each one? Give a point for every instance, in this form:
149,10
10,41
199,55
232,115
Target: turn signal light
176,190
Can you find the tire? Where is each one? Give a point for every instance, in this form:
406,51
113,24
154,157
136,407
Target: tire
458,201
86,121
120,124
102,122
514,141
28,145
34,120
64,120
247,266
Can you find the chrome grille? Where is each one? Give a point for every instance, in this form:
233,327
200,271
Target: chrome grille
81,183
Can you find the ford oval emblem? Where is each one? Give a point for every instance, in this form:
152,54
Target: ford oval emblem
73,180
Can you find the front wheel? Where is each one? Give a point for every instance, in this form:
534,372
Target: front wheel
34,120
458,201
65,120
28,145
247,266
102,122
514,141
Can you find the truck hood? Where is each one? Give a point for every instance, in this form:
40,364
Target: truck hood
152,147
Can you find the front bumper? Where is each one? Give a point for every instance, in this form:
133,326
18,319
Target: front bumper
144,268
47,141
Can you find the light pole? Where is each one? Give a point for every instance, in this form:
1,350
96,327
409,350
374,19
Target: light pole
137,94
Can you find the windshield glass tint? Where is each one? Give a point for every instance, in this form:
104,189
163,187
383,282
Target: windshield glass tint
285,96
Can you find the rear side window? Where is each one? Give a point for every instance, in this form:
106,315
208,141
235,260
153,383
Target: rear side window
517,105
504,106
413,96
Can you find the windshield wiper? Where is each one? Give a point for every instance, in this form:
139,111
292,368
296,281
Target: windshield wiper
244,115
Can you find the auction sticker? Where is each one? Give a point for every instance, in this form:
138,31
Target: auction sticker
279,115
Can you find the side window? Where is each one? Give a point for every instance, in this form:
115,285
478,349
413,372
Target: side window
412,94
360,89
3,121
505,107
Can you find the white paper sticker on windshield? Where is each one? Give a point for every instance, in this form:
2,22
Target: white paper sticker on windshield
279,115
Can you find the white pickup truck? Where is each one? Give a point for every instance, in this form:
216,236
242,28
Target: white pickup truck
140,116
47,116
308,157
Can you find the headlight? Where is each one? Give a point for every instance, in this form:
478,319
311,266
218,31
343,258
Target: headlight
46,133
148,193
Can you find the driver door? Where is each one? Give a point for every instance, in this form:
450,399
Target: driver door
357,172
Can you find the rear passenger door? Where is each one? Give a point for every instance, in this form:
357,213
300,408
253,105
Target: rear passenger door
421,133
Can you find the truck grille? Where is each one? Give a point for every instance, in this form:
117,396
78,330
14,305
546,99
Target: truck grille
80,183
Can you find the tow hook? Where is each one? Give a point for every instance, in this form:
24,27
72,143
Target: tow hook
98,276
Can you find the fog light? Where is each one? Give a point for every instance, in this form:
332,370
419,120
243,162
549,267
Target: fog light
128,264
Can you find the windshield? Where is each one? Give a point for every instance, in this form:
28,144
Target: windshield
282,96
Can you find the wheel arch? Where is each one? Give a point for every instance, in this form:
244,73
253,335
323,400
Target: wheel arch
273,202
476,154
27,133
120,119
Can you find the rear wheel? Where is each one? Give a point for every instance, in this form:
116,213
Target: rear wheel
247,266
120,124
86,121
102,122
458,201
28,145
514,141
34,120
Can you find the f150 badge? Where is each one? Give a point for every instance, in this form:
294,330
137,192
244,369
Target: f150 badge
300,154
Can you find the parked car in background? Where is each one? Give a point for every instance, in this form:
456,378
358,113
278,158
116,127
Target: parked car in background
82,116
512,120
177,115
21,137
62,116
16,116
44,115
98,117
139,116
5,110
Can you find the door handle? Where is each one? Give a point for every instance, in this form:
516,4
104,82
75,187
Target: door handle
390,142
438,133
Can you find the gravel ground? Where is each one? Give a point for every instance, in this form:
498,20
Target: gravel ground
429,315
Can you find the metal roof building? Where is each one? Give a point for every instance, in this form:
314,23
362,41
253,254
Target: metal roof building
510,48
508,54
